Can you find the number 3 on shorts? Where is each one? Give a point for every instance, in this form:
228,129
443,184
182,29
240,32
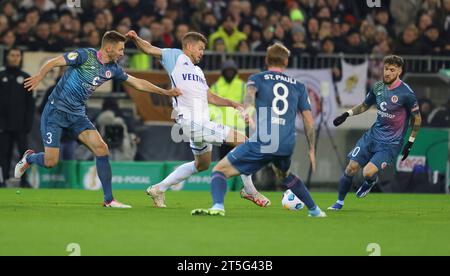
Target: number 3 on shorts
49,138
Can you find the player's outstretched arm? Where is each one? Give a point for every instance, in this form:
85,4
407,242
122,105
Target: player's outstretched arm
416,123
32,82
147,87
310,133
219,101
352,112
144,45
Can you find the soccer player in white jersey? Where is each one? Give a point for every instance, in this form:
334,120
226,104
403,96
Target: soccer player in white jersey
192,114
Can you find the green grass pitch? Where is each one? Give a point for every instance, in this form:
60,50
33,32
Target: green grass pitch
44,222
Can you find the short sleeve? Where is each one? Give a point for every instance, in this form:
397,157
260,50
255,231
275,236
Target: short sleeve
370,98
304,103
169,59
120,74
76,58
252,82
411,104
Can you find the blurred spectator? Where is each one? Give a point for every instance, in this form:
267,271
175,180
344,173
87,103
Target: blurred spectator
313,34
409,43
299,44
181,30
426,107
16,112
209,24
404,12
354,43
232,87
432,44
4,23
8,39
219,46
243,47
167,36
383,18
267,39
8,9
229,33
441,116
92,40
425,21
261,14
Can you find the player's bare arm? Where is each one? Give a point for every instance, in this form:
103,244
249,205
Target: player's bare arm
352,112
310,133
249,100
32,82
219,101
144,45
249,104
147,87
416,123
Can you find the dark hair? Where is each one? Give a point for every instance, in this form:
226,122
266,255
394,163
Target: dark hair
394,60
113,37
13,48
277,54
193,37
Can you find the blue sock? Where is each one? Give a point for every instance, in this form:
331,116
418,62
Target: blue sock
105,175
299,189
37,158
345,185
218,188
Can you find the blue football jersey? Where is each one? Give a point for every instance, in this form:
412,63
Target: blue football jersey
279,98
85,73
394,107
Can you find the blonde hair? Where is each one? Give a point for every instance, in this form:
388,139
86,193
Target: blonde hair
277,55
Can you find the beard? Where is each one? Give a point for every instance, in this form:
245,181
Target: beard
389,82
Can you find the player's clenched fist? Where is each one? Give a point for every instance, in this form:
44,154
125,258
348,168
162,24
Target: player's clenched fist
131,35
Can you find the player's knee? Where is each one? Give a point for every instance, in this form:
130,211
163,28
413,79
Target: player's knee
351,170
50,162
201,167
101,149
369,173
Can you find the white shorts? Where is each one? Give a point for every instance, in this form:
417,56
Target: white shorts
204,135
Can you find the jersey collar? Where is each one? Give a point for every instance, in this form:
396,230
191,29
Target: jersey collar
395,85
276,69
99,57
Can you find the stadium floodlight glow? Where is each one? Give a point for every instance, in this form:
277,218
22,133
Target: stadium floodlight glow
73,3
374,3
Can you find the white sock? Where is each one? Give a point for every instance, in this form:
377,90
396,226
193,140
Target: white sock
248,184
182,173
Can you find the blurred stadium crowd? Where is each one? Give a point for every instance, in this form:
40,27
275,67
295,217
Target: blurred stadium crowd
412,27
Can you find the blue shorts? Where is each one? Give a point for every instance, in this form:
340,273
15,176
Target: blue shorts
247,161
380,154
54,121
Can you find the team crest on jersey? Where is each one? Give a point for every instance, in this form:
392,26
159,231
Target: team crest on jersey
19,79
384,165
394,99
108,74
72,56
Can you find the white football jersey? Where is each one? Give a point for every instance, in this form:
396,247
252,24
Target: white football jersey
190,79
